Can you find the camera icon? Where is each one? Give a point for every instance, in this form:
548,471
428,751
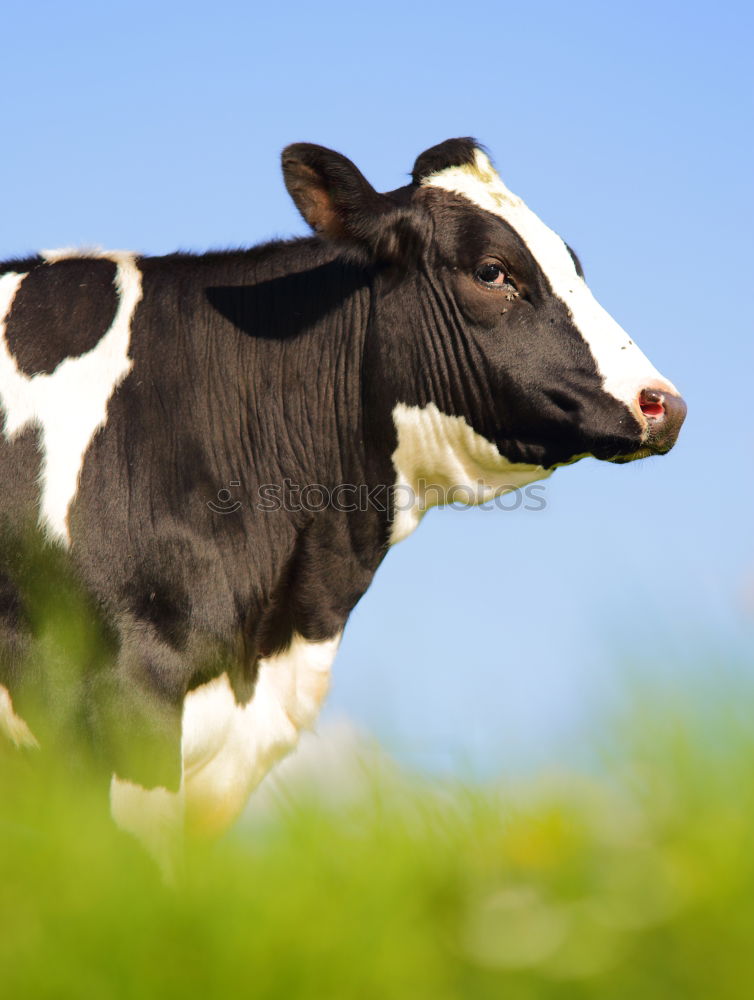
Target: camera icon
225,504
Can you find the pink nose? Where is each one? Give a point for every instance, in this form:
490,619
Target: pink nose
665,413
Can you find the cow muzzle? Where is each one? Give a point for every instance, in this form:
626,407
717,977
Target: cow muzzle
663,413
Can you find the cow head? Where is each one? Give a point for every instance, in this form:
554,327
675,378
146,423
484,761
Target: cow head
488,345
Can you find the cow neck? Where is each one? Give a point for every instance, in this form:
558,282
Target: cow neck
299,364
292,364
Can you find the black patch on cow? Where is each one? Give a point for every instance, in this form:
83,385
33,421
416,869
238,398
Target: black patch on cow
61,310
451,153
21,265
163,604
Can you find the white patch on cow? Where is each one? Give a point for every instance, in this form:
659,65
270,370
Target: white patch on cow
228,748
154,816
11,725
70,404
625,370
441,459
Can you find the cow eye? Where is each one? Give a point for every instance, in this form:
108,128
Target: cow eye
493,276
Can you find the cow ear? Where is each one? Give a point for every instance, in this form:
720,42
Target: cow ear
451,153
340,204
331,193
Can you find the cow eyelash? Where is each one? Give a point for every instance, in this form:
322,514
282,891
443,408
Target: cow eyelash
493,275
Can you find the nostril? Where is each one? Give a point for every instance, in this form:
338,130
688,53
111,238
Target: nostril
652,403
664,412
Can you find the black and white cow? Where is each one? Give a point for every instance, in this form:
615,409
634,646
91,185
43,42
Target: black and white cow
164,417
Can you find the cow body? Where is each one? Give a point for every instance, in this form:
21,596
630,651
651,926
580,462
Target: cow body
226,445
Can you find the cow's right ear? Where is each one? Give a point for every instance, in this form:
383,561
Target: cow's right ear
340,204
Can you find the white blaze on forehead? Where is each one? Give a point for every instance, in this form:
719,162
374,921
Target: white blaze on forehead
70,404
624,368
441,459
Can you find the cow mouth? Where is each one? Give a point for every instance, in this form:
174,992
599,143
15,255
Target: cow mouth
621,453
646,450
634,456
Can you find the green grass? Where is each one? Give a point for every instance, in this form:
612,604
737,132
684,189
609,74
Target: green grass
635,884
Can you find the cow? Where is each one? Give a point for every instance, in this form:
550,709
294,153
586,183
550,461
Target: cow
219,450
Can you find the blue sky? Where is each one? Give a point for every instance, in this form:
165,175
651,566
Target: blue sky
487,636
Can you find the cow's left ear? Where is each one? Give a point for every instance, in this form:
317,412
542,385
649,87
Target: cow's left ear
340,204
